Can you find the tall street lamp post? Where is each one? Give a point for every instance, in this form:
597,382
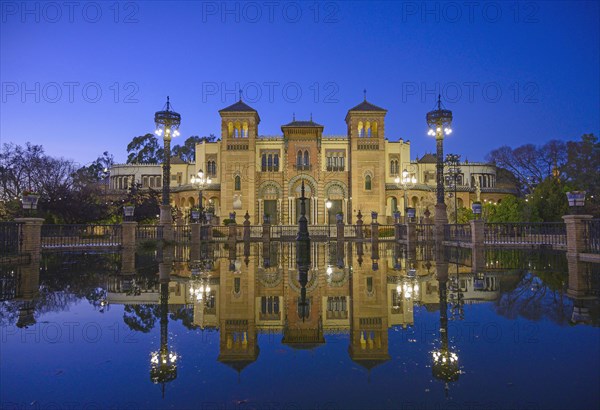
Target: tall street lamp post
167,125
407,182
440,121
453,162
201,181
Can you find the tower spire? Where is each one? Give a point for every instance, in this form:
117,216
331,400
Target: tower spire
365,94
240,95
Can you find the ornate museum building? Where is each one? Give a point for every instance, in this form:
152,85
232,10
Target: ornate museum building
360,171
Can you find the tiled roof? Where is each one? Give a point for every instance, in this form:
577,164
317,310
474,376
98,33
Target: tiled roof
428,159
302,124
239,106
367,106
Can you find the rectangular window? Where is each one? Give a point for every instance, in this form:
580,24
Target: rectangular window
335,160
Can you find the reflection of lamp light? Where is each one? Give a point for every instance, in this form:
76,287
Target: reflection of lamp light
328,204
329,270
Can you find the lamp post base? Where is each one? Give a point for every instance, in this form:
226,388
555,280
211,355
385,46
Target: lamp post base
166,221
440,219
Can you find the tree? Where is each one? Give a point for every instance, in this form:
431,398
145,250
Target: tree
582,169
95,172
187,152
530,164
144,149
549,200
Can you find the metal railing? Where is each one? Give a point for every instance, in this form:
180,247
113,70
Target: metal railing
387,232
591,236
256,231
11,238
182,233
220,233
425,232
318,231
148,232
77,236
284,231
534,233
349,231
461,232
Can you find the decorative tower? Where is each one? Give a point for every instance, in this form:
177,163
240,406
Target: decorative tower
239,130
366,138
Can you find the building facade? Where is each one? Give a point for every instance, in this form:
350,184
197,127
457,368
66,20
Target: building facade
262,175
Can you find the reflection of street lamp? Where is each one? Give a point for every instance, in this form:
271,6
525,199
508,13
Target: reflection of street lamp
407,182
167,125
328,205
163,363
445,362
440,122
201,181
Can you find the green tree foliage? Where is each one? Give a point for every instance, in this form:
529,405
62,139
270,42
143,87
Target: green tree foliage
582,170
96,172
512,209
146,202
549,200
144,149
187,151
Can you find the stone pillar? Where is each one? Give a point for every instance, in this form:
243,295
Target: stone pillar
575,233
340,228
477,245
578,279
232,228
166,221
196,232
127,261
31,235
359,226
246,227
128,229
440,219
374,229
411,235
266,230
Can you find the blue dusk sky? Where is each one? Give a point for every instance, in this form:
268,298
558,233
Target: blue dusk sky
81,78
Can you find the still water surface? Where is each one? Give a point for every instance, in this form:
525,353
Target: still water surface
244,328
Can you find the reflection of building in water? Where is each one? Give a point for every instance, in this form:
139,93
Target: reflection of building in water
236,314
369,312
255,288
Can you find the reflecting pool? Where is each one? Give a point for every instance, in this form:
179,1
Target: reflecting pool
329,326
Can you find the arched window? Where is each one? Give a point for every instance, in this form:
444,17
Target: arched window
236,133
361,130
276,163
299,159
245,130
270,162
368,129
368,182
238,183
306,159
263,162
394,204
230,129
